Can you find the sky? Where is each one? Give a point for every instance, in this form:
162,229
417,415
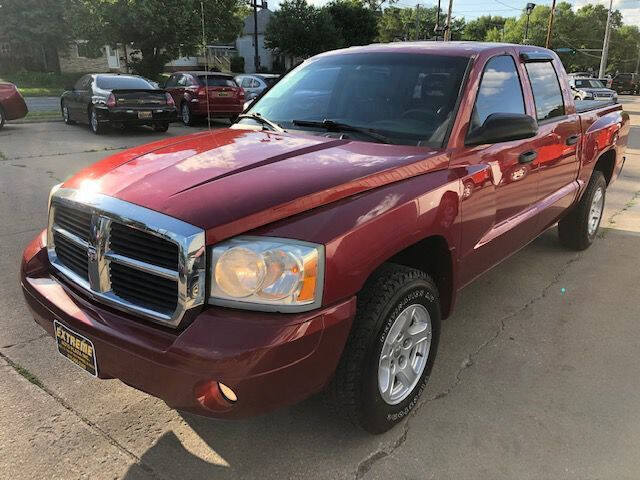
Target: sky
470,9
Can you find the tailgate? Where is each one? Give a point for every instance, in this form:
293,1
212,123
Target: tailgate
224,95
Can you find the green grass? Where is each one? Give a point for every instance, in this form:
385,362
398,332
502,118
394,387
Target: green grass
47,115
41,84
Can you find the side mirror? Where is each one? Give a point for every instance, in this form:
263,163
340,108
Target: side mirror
503,127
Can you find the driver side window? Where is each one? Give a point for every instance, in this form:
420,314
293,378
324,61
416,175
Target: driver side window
500,91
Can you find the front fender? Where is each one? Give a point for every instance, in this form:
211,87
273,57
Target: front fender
362,232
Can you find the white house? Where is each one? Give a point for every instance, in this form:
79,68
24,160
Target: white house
245,45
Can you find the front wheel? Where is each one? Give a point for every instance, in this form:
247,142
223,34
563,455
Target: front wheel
388,357
579,228
66,116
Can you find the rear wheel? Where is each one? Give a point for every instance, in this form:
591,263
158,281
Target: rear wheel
187,117
579,228
95,126
390,351
161,127
2,119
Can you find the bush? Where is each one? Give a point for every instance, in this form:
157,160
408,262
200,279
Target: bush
237,64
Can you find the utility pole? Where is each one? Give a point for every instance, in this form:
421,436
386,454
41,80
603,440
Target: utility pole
638,61
417,21
553,12
529,8
437,29
256,55
605,45
447,28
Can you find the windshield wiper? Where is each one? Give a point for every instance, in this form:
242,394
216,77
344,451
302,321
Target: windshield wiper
333,126
264,121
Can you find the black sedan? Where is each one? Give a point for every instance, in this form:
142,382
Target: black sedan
102,99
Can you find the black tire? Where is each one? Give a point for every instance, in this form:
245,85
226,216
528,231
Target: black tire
186,115
161,127
94,125
64,109
354,392
574,230
2,117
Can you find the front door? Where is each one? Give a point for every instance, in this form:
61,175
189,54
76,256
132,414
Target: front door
499,186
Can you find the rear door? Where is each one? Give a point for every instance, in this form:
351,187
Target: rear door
557,141
500,184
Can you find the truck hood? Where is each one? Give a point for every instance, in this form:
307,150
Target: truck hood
232,180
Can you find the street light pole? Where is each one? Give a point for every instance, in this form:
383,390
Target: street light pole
256,54
528,10
605,45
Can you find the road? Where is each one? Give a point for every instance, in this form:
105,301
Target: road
42,104
537,373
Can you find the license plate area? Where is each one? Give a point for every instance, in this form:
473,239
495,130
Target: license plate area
76,348
145,115
223,94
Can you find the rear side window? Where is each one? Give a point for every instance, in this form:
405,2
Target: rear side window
546,90
217,81
500,91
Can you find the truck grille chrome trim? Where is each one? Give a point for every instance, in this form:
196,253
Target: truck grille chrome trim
126,256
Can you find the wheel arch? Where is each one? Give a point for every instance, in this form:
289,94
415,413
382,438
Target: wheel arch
432,256
606,164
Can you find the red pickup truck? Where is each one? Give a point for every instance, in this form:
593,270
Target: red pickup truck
317,244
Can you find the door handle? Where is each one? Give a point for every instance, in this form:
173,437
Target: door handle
528,157
572,140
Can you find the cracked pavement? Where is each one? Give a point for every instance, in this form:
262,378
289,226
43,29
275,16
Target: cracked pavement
536,375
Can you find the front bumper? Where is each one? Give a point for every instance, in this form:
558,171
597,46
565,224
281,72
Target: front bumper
268,360
130,116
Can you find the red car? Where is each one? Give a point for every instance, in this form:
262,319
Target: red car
198,94
318,243
12,104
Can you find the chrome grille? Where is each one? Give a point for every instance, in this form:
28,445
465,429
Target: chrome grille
71,255
127,256
143,246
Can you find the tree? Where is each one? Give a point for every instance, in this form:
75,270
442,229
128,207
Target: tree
157,31
479,28
402,24
34,30
301,30
356,24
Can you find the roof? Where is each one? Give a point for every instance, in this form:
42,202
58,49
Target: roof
204,72
264,16
465,49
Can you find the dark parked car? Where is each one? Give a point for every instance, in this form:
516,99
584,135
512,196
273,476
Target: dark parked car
626,82
198,94
12,104
113,99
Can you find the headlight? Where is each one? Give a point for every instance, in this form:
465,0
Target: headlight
263,273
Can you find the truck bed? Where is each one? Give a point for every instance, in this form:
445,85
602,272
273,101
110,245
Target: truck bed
583,106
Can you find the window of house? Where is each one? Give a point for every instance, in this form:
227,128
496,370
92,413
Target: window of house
86,50
546,90
500,91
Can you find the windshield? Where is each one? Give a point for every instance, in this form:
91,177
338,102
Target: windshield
217,81
589,83
408,98
107,82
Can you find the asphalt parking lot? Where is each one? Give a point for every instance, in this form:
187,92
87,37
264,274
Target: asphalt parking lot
537,374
